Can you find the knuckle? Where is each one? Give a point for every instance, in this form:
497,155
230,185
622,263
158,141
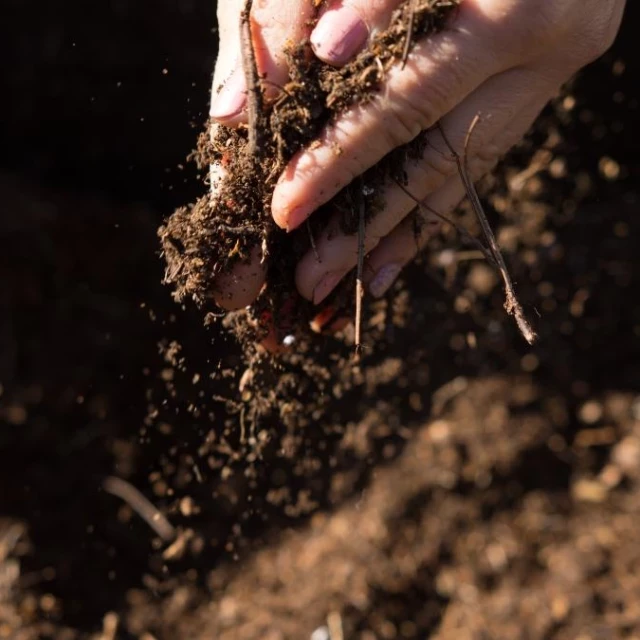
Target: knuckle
400,123
418,105
436,167
406,124
580,31
417,113
595,28
598,36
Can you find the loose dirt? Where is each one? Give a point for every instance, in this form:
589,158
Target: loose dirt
458,485
209,238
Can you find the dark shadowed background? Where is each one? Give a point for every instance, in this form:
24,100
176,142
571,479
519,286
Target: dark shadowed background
101,104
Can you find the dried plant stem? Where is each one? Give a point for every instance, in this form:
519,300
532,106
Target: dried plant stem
147,511
511,304
458,227
255,102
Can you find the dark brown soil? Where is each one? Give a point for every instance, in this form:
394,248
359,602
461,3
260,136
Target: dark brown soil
460,485
210,237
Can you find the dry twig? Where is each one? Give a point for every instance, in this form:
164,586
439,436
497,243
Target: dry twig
511,304
147,511
458,227
255,103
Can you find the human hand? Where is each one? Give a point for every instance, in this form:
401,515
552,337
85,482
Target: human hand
502,59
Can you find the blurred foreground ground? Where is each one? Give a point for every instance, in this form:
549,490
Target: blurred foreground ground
464,487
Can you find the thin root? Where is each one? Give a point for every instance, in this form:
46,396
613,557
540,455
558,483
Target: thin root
512,305
458,227
255,102
148,512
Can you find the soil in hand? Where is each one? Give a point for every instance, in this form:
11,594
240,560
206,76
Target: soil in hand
234,225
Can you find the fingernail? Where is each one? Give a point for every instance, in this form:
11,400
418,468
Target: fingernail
231,99
384,279
286,214
295,218
326,285
338,35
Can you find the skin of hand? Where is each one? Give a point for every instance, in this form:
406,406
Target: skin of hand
500,59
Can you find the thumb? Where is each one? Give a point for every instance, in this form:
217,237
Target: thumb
346,25
275,26
228,62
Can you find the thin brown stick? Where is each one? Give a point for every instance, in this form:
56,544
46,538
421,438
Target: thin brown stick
255,102
147,511
359,270
511,304
407,42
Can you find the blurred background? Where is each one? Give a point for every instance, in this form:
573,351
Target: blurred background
513,472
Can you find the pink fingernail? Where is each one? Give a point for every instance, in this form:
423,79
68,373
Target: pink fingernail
296,217
326,285
384,279
231,99
338,35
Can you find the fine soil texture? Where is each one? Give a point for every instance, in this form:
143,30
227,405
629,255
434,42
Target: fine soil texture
209,238
160,480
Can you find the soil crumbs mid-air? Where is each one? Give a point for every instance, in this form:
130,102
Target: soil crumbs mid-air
457,485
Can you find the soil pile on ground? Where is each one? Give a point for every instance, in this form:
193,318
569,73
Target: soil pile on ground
460,485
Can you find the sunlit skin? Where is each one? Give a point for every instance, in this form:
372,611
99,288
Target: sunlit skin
502,59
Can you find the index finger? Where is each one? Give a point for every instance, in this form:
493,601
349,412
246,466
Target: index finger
439,74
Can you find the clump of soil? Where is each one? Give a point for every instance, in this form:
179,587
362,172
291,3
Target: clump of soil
203,240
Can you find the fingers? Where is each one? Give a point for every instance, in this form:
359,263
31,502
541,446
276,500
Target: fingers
344,28
228,87
508,103
401,246
439,74
278,25
274,26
